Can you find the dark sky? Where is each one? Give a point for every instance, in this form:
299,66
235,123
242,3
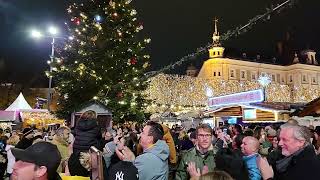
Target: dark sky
176,27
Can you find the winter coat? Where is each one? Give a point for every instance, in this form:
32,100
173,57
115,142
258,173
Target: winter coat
62,146
24,143
252,166
170,142
303,165
193,155
230,161
153,163
87,134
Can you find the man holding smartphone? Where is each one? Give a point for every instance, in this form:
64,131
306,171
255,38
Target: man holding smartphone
153,163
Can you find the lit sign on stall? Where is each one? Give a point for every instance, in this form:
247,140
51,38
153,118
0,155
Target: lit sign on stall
237,98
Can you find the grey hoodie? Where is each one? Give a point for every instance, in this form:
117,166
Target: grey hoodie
153,163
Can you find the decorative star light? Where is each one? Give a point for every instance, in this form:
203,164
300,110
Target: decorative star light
209,91
264,80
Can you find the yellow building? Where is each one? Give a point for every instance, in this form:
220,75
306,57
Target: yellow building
297,74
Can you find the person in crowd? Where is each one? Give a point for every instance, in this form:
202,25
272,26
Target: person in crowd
39,161
250,147
293,122
37,136
87,134
153,163
60,139
193,138
230,160
300,161
3,155
107,137
109,151
12,141
236,129
167,137
274,152
26,140
185,142
261,135
202,154
316,140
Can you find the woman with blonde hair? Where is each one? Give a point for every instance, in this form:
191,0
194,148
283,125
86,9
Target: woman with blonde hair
12,141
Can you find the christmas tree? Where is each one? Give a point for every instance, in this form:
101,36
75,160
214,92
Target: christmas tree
104,60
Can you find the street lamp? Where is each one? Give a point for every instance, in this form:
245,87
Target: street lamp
53,31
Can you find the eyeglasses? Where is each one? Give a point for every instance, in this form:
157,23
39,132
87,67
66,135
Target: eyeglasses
204,135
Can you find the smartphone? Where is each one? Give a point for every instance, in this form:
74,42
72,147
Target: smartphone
225,130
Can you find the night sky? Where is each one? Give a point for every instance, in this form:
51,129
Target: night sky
176,27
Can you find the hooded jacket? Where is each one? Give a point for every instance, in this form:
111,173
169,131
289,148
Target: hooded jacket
153,163
87,134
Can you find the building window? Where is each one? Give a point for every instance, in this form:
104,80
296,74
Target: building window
278,78
243,74
290,78
282,79
273,77
304,78
219,74
218,53
232,73
314,80
214,73
253,76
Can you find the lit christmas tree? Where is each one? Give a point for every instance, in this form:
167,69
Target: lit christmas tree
103,60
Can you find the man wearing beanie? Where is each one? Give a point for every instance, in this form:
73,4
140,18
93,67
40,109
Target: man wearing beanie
39,161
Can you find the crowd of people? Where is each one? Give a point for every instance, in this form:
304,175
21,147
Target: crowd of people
153,151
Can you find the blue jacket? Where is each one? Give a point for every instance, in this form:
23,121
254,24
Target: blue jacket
253,169
153,163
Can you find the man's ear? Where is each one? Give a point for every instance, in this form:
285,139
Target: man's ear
41,171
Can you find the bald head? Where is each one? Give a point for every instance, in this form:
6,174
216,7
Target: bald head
250,145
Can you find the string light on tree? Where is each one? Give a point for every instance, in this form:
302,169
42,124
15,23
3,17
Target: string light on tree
99,60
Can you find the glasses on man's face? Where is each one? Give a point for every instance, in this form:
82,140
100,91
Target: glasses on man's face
204,135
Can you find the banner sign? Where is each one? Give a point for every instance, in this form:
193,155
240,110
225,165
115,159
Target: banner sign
237,98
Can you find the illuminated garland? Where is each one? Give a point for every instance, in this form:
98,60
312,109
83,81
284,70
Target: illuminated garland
181,93
226,36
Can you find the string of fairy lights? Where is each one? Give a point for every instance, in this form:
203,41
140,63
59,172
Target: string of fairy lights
179,93
226,36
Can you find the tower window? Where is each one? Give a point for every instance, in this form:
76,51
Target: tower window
243,74
253,77
219,74
214,73
232,73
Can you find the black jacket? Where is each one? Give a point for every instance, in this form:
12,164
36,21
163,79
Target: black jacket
87,134
303,166
230,161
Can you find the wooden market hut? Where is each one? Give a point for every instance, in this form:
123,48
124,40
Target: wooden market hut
104,115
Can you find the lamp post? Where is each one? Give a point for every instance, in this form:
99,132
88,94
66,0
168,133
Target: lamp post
53,31
264,81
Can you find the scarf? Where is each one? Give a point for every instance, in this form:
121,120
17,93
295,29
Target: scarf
283,164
